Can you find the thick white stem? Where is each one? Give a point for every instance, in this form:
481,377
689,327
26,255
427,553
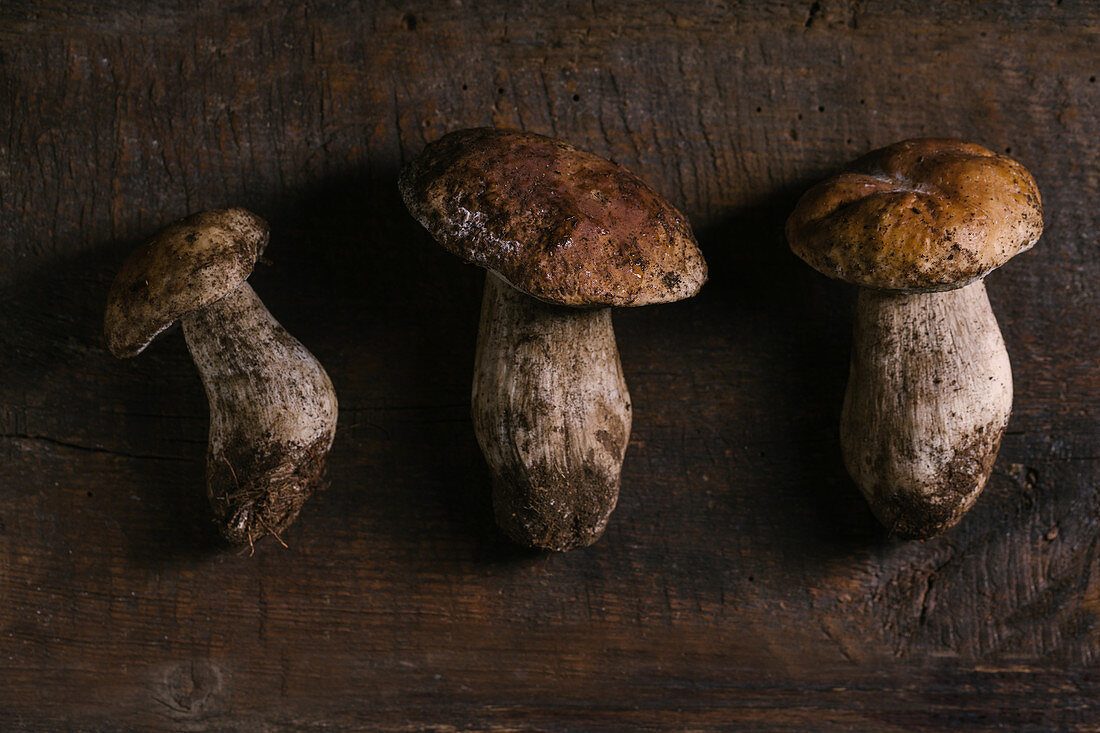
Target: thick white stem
552,415
928,399
272,414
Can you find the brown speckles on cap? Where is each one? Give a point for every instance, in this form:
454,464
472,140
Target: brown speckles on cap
188,265
919,215
558,223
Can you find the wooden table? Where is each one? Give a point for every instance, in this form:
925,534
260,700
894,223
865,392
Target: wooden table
742,582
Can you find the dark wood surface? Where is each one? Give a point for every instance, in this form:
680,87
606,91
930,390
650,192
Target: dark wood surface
742,582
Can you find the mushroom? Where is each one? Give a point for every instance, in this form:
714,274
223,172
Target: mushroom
272,406
565,235
918,225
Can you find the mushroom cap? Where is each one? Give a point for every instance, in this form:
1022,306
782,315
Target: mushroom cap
186,266
558,223
920,215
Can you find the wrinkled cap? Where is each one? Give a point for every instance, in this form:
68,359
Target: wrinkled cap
919,215
188,265
558,223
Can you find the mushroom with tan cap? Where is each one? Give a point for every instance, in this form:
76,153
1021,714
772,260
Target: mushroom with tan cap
272,406
918,225
565,235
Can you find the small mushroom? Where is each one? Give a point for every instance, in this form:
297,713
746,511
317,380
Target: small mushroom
564,235
272,406
918,225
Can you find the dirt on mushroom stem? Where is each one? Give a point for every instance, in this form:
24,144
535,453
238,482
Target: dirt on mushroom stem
273,415
256,494
928,400
552,416
544,508
909,515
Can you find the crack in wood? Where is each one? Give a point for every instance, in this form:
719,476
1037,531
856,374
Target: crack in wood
90,449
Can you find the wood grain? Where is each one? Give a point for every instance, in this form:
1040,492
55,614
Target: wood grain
742,582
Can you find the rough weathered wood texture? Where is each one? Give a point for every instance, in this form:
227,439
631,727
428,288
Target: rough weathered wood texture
742,581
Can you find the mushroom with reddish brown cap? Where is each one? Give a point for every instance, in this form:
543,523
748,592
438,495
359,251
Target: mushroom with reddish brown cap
918,225
272,407
564,234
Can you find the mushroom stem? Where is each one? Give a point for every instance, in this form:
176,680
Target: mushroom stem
928,399
552,415
272,415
